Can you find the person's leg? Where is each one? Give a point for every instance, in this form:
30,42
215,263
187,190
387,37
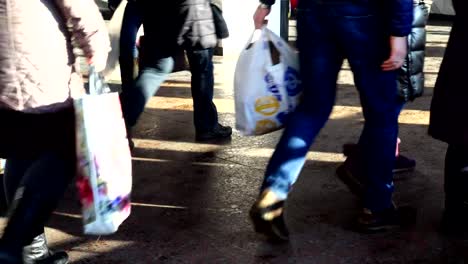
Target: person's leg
34,201
14,172
46,156
147,84
455,216
456,179
131,22
156,58
320,61
205,114
38,249
366,48
349,171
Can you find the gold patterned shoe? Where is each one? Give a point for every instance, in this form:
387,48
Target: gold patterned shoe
268,223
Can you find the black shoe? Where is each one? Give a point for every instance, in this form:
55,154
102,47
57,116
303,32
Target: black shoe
350,149
403,164
351,179
218,132
369,222
275,228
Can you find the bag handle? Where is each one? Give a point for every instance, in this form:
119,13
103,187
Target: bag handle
96,83
256,35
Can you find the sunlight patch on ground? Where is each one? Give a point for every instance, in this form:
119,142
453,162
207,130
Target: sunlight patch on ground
176,146
200,148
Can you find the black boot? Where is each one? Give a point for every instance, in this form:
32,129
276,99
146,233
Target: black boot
350,172
402,163
38,252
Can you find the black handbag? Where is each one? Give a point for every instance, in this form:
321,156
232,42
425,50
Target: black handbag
221,28
411,74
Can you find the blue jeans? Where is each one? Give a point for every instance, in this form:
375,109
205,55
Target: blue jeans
327,34
134,98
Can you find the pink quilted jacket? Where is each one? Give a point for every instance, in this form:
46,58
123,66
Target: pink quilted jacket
38,69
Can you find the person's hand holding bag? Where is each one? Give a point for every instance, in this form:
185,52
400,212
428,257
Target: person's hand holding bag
260,14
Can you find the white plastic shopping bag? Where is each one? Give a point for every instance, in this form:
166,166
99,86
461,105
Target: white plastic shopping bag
104,167
266,84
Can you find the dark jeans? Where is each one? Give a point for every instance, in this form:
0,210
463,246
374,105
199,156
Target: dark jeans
156,64
40,153
205,114
327,34
456,179
153,74
131,22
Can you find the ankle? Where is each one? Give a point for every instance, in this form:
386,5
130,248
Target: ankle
268,199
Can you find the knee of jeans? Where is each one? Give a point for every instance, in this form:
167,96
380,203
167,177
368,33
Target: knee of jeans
297,143
164,65
318,112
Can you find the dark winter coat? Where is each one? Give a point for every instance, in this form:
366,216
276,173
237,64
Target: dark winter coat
198,29
449,109
411,75
187,23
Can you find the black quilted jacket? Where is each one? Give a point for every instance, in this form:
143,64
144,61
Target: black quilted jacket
411,75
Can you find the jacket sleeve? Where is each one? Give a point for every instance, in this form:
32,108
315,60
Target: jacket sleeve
401,17
267,2
87,26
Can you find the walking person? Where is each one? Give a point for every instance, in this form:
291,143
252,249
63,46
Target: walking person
371,35
39,76
410,86
447,123
188,24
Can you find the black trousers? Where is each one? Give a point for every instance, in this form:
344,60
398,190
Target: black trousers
456,179
40,153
